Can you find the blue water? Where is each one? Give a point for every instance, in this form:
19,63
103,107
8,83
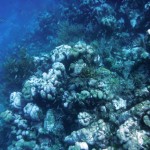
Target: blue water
17,18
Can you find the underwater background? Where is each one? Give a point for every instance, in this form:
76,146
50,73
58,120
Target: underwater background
18,19
75,75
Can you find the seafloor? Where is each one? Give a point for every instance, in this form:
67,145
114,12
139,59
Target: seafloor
80,80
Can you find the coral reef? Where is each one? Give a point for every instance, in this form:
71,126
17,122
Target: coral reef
92,92
94,104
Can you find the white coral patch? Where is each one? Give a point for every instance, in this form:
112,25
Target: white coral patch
120,103
82,145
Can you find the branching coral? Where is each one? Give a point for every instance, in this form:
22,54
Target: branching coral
17,69
70,32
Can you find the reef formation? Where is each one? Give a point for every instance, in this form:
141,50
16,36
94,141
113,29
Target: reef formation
90,94
78,103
